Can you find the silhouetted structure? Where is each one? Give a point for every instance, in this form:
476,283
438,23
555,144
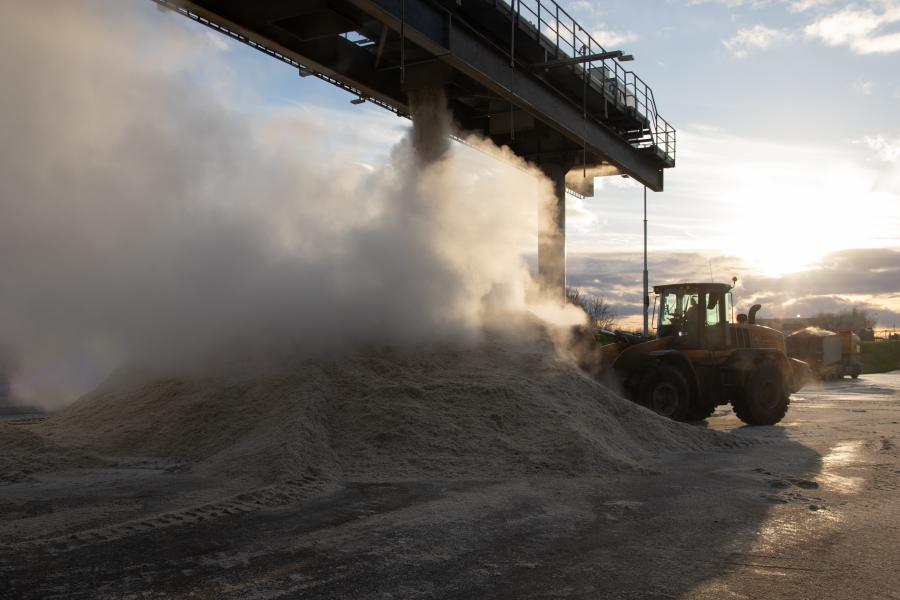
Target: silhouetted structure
525,74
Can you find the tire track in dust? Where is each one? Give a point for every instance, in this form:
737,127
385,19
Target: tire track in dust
267,497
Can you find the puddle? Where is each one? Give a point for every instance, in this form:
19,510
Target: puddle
786,527
839,483
842,454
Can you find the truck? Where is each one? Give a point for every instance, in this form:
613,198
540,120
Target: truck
701,357
830,355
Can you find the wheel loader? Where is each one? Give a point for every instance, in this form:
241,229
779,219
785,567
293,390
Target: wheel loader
701,358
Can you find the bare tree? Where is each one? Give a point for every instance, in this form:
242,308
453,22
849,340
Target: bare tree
601,314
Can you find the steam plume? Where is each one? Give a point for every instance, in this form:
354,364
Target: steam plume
143,218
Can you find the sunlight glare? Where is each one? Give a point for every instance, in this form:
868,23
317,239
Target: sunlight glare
792,221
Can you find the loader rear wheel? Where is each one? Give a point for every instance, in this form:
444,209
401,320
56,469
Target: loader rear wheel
765,399
665,391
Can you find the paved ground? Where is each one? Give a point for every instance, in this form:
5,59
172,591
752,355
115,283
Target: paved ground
812,513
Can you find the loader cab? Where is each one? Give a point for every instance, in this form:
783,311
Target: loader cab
694,315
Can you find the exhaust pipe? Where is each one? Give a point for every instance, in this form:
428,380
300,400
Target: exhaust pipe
751,316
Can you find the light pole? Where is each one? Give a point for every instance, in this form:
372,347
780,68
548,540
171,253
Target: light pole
646,279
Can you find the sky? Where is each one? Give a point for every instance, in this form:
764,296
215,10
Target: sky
788,173
788,166
788,150
168,196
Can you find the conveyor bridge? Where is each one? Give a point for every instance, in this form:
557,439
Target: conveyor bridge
523,73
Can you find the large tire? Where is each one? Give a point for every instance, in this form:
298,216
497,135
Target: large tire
665,391
765,398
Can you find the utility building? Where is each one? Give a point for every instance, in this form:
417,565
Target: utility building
524,74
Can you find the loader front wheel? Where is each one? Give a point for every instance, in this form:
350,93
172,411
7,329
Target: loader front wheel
765,399
664,390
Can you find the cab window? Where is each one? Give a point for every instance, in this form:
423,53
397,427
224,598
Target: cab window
678,313
712,311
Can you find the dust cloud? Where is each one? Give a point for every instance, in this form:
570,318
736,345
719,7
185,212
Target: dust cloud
145,218
814,332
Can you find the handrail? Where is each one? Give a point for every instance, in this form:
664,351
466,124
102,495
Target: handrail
553,25
624,88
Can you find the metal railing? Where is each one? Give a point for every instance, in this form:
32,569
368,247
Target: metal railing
563,37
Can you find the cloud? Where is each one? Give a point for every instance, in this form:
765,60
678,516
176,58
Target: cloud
871,271
798,193
617,276
867,278
864,87
578,217
592,12
758,37
863,30
584,7
887,149
865,27
735,3
779,205
216,41
805,5
613,40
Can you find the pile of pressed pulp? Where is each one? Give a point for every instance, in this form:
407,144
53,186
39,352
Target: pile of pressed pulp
509,408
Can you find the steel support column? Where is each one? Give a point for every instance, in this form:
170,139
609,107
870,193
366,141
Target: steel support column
552,232
646,275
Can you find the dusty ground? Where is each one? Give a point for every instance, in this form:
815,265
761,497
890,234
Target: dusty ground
814,512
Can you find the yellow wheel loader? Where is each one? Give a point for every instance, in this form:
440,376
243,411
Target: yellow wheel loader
702,357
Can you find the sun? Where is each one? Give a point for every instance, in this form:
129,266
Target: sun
790,225
778,260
